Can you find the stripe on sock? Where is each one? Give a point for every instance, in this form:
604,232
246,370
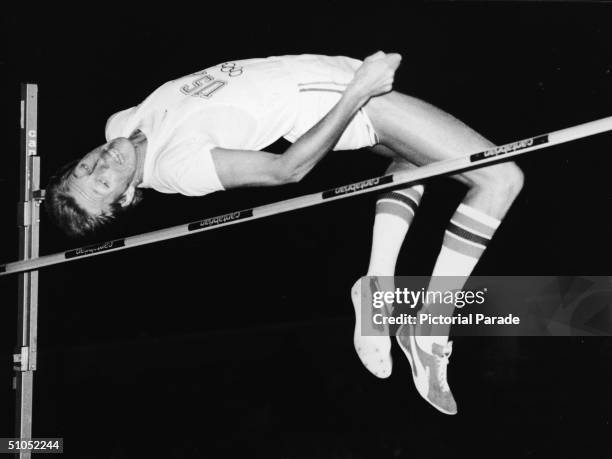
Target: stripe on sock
469,223
465,234
415,192
478,215
401,205
412,201
462,246
395,208
469,231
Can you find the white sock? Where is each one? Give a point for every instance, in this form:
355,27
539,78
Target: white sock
465,240
394,213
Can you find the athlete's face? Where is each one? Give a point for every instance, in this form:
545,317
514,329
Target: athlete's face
104,176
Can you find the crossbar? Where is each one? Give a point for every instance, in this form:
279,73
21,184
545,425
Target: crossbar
446,167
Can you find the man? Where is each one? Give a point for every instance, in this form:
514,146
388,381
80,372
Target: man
205,132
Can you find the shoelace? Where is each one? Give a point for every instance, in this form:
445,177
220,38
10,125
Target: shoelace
442,365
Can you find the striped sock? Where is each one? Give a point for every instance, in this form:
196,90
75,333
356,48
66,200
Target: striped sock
465,240
394,213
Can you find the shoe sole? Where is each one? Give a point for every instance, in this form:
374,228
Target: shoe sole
356,336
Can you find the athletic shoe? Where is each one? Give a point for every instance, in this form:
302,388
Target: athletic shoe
373,351
429,370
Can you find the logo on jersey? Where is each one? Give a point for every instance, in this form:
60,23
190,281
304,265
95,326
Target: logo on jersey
232,69
204,85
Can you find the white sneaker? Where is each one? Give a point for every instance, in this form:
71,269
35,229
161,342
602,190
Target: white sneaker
429,370
373,351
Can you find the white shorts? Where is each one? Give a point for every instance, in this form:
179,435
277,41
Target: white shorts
321,81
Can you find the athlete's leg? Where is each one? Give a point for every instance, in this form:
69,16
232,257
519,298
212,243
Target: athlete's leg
394,213
423,134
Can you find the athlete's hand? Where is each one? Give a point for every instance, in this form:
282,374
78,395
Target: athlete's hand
375,76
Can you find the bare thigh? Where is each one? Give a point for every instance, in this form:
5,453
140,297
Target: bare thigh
398,162
420,133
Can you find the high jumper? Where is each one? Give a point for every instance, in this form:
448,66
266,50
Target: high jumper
206,132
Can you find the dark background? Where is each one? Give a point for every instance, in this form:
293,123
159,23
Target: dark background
240,340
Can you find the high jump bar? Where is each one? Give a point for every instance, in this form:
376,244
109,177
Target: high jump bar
439,168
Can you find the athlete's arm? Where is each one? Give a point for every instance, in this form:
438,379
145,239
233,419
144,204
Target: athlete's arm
237,168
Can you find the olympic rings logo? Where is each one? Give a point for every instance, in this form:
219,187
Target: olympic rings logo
232,69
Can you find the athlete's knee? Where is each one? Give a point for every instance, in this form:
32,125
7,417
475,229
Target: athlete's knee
509,177
504,180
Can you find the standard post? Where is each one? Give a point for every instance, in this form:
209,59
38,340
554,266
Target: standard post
28,212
